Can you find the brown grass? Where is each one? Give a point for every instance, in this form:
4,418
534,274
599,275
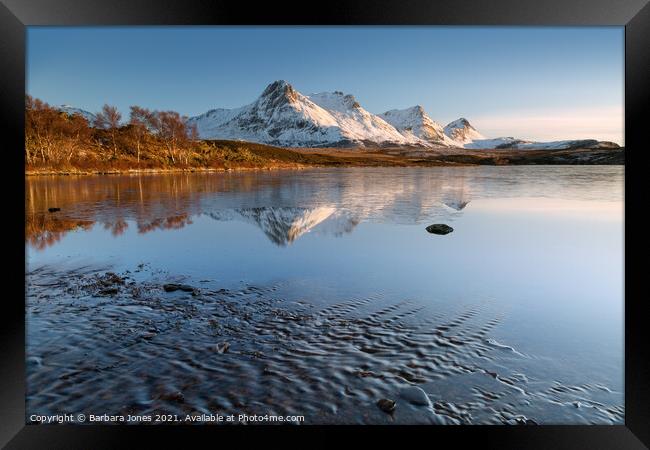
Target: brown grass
221,155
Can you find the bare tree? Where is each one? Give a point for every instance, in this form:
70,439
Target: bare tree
42,130
55,135
75,135
30,129
193,132
171,128
38,133
109,119
140,119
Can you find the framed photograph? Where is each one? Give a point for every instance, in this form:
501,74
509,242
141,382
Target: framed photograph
373,217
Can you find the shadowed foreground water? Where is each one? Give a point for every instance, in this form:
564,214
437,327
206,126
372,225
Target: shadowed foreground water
319,292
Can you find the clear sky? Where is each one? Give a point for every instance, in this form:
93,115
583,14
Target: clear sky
539,83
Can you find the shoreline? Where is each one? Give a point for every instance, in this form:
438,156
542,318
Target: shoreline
227,156
337,158
69,173
158,171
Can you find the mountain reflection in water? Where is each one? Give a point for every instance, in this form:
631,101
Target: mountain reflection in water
287,206
284,225
167,202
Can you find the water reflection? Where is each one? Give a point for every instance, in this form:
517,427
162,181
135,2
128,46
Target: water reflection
285,206
42,230
284,225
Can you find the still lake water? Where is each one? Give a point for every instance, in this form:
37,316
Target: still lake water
330,295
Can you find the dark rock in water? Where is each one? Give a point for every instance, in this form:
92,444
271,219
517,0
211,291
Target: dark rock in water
439,228
171,287
387,405
53,209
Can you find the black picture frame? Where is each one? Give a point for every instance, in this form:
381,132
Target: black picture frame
16,15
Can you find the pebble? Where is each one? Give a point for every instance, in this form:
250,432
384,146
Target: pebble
415,395
387,405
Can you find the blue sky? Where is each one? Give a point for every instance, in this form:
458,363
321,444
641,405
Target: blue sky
539,83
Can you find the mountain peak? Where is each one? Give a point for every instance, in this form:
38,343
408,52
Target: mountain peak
462,131
352,101
459,123
415,111
335,100
414,121
280,88
279,84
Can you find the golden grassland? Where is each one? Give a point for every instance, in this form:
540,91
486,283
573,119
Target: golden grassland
220,156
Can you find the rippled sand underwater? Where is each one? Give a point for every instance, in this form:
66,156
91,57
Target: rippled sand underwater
111,336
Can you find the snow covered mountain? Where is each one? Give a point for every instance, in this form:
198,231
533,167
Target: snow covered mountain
283,116
280,116
416,124
462,132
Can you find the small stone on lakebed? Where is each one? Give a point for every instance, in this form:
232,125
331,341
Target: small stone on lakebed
171,287
108,291
415,396
387,405
439,228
